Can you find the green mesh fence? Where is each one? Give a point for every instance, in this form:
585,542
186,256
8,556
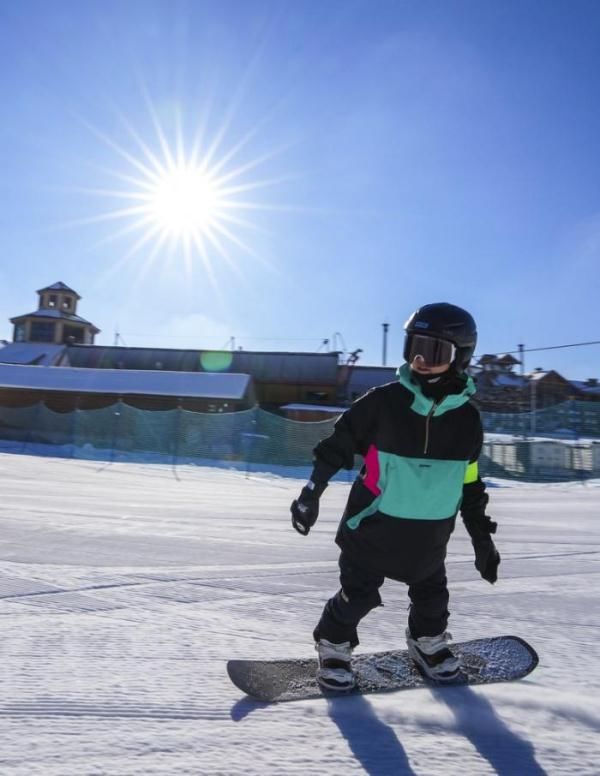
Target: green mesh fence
514,447
573,419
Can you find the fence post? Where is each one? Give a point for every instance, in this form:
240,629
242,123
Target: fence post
74,420
178,419
116,421
28,437
533,407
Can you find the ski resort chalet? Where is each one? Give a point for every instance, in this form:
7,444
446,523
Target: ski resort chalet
53,359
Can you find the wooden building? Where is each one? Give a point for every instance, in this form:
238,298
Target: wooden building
56,320
363,378
587,390
547,388
279,378
64,389
301,386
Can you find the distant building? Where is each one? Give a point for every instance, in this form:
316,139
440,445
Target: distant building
279,378
547,388
302,386
64,389
503,363
56,320
587,390
363,378
500,389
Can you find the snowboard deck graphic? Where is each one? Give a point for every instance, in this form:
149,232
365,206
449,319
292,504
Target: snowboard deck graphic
483,661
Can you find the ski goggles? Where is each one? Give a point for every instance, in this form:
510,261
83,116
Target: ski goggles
433,351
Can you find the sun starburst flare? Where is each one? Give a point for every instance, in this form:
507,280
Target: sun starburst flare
185,201
181,202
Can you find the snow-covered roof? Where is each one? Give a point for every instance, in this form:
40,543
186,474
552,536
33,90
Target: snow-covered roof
33,353
585,387
509,380
539,374
125,382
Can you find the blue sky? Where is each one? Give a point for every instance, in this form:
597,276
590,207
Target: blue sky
383,155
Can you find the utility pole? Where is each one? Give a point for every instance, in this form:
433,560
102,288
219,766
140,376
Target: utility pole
386,326
533,407
522,359
523,394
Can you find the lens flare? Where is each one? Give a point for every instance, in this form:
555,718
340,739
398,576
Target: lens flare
185,201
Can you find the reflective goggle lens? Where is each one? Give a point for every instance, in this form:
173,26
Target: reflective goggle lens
434,352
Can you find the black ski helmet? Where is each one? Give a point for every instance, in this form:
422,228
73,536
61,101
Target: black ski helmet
447,322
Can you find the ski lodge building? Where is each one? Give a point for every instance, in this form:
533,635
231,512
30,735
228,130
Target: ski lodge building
53,359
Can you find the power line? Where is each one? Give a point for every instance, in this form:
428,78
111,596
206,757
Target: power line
557,347
214,336
551,347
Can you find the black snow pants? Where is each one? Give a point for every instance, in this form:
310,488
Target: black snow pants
359,594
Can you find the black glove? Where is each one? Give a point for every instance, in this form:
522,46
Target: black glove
487,557
305,509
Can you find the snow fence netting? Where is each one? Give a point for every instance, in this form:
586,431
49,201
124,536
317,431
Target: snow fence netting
257,439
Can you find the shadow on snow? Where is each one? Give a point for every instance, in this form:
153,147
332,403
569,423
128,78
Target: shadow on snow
373,742
507,752
377,748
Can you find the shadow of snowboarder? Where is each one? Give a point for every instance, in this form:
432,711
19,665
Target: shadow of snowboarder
507,752
373,743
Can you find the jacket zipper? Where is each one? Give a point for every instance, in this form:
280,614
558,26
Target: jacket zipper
429,415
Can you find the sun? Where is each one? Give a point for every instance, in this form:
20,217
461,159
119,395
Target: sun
176,200
186,202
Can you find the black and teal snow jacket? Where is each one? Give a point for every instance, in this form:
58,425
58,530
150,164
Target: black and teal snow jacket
420,469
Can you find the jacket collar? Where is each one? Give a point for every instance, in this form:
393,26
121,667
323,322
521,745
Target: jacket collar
422,405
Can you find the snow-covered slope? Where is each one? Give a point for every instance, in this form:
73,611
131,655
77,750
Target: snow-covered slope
125,588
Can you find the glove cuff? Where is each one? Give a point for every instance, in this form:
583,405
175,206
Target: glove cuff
315,489
480,527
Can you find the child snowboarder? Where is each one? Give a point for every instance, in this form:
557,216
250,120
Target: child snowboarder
420,438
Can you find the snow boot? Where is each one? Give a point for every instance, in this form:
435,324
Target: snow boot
335,670
433,657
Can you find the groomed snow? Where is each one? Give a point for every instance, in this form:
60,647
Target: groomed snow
124,588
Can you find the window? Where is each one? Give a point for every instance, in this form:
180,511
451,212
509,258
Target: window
72,334
19,332
52,300
67,303
42,332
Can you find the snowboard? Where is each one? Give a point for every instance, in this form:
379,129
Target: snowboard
483,661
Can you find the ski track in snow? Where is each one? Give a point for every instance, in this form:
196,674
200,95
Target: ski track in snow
125,588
